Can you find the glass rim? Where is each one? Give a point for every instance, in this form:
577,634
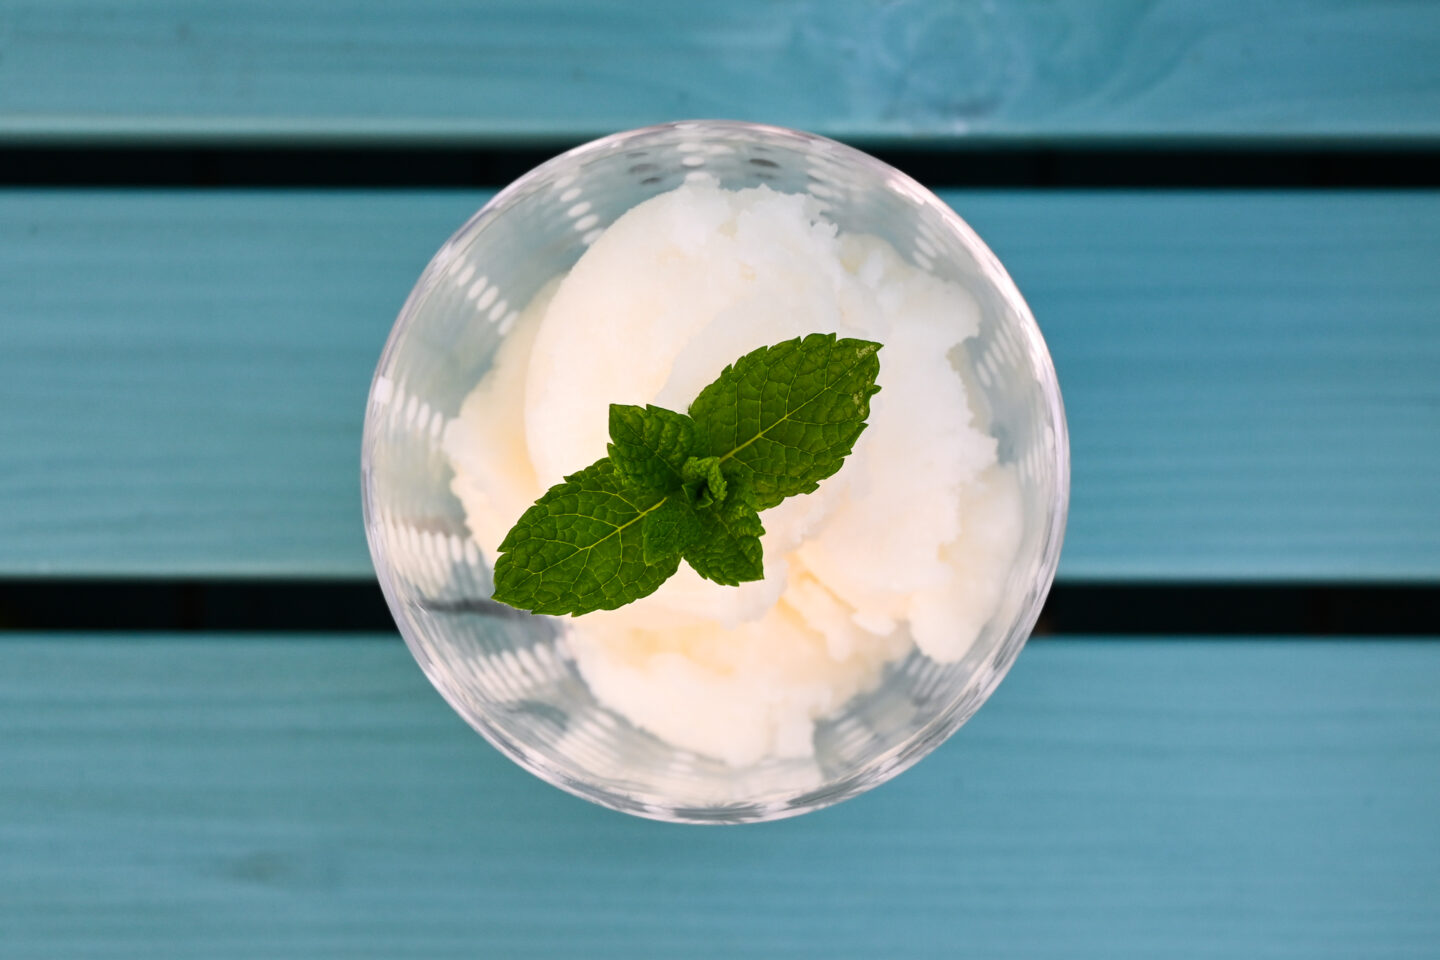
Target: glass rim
884,766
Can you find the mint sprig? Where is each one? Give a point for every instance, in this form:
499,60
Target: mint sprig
773,425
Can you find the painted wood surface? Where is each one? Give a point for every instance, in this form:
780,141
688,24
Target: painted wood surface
307,797
481,71
1252,380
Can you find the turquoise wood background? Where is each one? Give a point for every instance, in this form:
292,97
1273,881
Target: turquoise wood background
279,796
1253,384
497,70
1252,380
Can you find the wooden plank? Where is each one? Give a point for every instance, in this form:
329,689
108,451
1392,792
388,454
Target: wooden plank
1251,379
478,71
286,797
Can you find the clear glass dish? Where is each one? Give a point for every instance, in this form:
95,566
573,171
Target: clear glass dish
510,674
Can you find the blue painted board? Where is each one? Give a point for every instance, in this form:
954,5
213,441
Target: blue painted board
1252,379
313,797
486,71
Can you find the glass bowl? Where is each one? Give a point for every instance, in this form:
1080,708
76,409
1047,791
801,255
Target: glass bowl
510,674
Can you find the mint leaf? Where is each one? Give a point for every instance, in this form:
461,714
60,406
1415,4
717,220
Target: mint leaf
580,547
668,529
727,546
650,445
790,413
776,422
703,481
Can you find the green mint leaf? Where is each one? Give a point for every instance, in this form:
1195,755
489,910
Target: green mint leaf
703,481
649,445
777,422
739,485
668,529
789,413
581,547
726,548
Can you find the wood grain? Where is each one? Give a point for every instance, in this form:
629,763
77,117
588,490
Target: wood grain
484,71
1252,380
287,797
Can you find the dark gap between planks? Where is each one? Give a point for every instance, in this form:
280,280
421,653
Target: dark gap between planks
1199,166
357,606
